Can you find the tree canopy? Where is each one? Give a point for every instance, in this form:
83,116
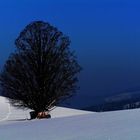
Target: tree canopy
42,71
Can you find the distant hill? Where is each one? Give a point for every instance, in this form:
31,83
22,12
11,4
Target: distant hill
125,100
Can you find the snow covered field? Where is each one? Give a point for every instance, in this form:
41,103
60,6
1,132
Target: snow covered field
117,125
9,113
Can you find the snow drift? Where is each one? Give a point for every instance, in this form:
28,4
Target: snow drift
8,112
116,125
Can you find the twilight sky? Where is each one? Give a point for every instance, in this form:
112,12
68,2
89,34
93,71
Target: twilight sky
104,33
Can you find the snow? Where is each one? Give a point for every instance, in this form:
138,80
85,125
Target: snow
8,112
115,125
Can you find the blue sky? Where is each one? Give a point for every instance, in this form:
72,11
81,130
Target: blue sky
104,33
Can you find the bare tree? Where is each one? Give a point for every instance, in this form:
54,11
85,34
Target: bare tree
42,72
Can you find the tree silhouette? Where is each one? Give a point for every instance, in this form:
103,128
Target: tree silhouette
42,72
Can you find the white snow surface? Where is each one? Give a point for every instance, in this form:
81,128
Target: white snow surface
9,113
115,125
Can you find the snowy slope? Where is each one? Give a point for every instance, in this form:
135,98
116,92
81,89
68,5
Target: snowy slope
8,112
117,125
